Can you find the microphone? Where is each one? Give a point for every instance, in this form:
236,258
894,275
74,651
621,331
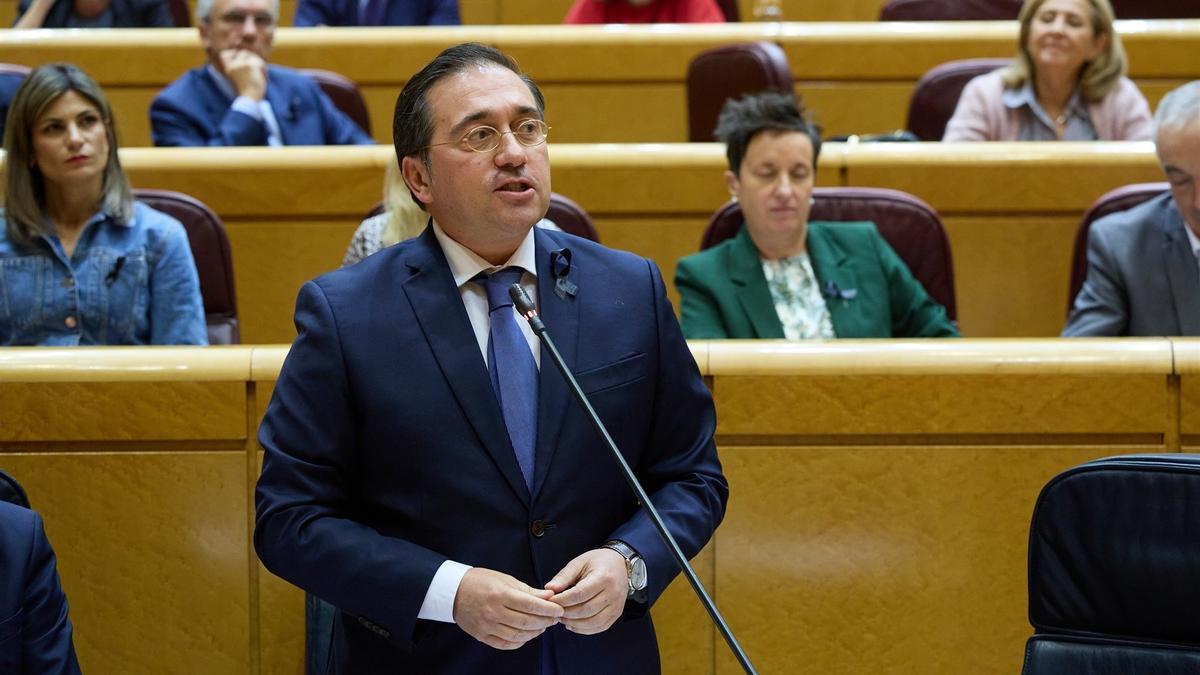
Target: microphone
524,304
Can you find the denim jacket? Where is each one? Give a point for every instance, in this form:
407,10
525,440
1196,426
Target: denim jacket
129,283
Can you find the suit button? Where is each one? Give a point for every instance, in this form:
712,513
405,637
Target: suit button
538,528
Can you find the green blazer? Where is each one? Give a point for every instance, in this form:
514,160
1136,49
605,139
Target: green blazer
725,295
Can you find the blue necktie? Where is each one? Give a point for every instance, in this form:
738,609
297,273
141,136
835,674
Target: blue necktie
512,368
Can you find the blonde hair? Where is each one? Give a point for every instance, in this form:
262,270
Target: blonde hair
1098,76
406,219
25,189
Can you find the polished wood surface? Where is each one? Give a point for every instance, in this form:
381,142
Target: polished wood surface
881,496
604,83
1011,210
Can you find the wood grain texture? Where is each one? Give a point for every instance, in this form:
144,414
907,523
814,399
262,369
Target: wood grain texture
879,509
686,638
881,560
153,552
965,404
126,411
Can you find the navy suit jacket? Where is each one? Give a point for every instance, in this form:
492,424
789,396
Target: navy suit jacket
398,13
35,631
386,454
192,111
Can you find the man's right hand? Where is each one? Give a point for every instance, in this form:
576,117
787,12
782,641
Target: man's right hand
246,71
500,611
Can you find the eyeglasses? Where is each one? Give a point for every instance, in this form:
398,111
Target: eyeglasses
238,18
528,132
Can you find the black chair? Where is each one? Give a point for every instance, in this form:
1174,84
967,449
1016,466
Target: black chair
214,260
344,94
1113,201
1114,569
910,226
11,491
936,95
719,74
950,10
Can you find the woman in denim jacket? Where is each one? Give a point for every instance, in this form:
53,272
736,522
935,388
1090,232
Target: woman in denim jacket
80,261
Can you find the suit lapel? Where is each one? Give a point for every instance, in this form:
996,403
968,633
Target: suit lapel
443,319
561,316
745,271
285,109
1182,272
829,264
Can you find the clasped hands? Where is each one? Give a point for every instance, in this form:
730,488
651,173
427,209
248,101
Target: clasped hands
587,596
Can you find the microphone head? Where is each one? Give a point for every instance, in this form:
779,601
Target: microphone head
521,300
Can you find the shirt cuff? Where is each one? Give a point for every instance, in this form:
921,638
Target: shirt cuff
247,106
439,599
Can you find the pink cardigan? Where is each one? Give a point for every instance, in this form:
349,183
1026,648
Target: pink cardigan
1122,115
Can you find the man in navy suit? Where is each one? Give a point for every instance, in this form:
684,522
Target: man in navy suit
35,631
237,99
376,13
459,526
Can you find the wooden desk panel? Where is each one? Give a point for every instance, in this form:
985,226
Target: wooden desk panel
898,559
153,549
1020,264
1187,364
886,501
594,75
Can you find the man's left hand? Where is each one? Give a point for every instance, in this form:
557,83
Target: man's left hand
591,590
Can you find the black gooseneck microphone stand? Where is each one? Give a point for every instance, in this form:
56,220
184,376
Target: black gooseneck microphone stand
525,306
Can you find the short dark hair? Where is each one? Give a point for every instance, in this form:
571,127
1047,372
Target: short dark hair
745,118
412,125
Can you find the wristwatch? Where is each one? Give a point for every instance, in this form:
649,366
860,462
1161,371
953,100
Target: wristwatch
634,566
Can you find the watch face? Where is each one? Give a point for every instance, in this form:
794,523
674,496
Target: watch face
637,574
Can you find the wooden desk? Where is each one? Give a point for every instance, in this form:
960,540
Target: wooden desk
550,12
881,495
603,83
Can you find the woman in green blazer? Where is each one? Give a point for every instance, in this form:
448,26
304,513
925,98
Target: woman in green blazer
783,276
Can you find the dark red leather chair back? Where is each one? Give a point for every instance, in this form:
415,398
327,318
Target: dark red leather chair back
214,262
1156,9
179,13
909,225
731,71
563,211
344,94
1121,199
571,217
949,10
937,92
730,9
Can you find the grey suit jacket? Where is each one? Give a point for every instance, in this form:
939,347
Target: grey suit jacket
1142,277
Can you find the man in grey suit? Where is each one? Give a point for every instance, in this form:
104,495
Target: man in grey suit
1143,274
